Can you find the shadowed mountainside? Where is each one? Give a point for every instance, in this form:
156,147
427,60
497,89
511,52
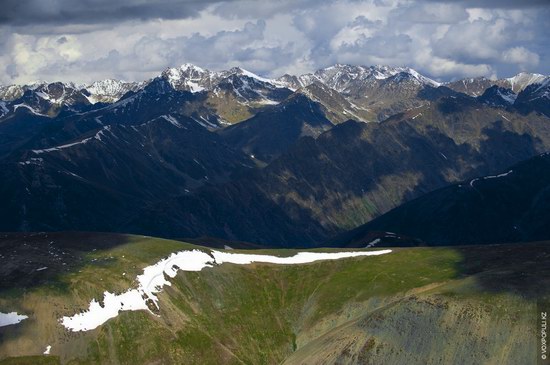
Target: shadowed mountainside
353,173
513,206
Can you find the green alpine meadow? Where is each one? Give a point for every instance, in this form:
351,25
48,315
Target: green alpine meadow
427,305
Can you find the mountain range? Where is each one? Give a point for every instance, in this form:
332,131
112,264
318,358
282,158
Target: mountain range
303,168
195,152
373,88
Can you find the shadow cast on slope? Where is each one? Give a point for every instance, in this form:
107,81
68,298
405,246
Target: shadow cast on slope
32,259
498,151
512,208
520,269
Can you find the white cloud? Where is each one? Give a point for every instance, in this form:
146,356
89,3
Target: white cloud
450,69
442,39
522,57
479,14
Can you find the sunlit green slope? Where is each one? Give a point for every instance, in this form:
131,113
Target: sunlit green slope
414,305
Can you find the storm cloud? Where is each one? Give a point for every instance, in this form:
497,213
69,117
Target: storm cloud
17,12
493,4
88,40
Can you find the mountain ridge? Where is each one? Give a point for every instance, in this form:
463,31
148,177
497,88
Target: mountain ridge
196,79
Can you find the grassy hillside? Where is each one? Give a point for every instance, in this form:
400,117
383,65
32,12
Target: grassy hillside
422,305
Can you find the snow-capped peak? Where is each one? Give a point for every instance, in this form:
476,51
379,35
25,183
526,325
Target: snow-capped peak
35,84
58,92
195,79
110,90
189,67
524,79
423,79
242,71
381,72
340,77
188,77
107,86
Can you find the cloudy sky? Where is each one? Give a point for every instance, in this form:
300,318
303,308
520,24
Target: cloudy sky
89,40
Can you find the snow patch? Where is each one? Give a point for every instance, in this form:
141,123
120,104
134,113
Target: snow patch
491,177
32,160
17,106
504,117
497,176
194,87
510,98
524,79
3,107
205,123
7,319
154,278
172,120
252,75
373,243
266,101
97,136
98,314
